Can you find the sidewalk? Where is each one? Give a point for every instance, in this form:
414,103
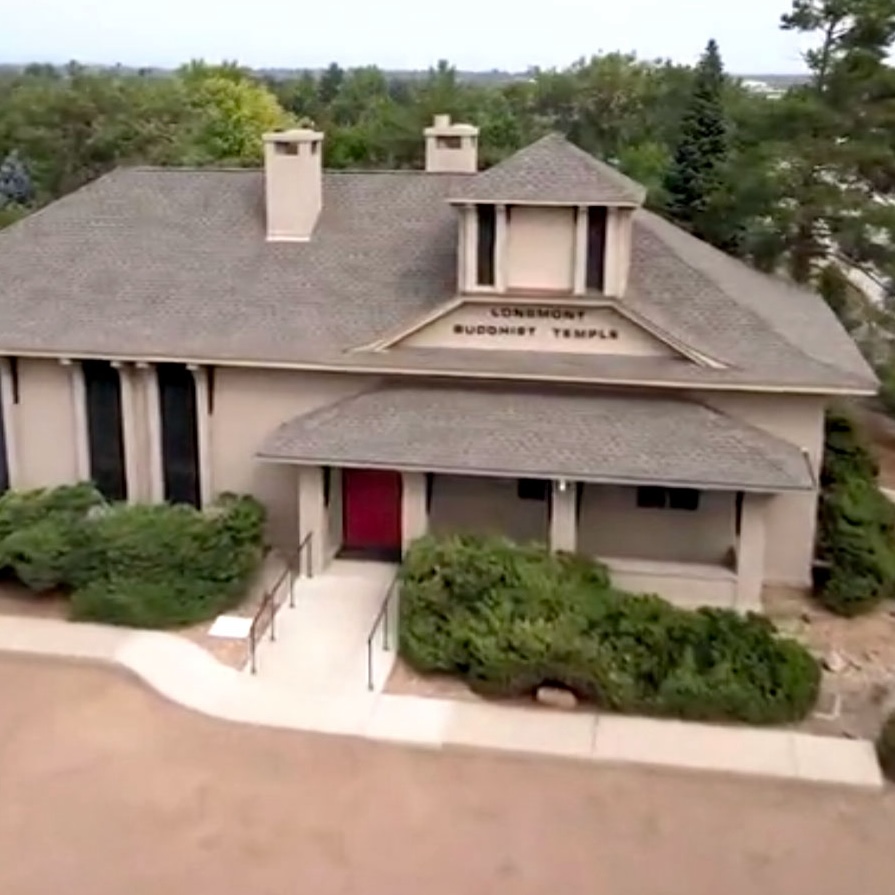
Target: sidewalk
187,674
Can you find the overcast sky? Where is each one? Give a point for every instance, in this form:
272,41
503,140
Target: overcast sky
473,34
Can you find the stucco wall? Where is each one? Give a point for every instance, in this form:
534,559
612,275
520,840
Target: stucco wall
790,519
248,406
611,524
540,248
478,505
44,425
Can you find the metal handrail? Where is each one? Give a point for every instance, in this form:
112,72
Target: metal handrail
380,616
270,602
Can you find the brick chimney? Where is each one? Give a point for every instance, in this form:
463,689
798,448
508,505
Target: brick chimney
451,148
293,180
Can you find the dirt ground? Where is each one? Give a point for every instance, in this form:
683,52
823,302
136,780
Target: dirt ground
107,789
15,599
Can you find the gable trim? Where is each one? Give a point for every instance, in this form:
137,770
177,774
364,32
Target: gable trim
397,336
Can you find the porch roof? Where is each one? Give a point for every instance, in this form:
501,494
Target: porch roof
527,434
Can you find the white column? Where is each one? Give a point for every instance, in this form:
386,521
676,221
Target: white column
611,252
130,431
79,416
470,244
414,508
501,255
563,517
579,256
203,433
154,430
10,422
312,517
751,551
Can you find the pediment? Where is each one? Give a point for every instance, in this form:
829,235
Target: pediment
527,325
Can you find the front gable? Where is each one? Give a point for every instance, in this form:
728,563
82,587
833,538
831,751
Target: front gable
570,327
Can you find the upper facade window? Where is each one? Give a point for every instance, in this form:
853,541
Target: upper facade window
487,243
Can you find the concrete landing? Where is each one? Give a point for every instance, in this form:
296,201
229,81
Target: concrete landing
321,645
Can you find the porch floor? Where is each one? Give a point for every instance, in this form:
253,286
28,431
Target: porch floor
321,643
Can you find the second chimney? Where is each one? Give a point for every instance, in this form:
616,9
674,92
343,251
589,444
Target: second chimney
451,148
293,181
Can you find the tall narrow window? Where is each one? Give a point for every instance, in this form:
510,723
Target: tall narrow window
4,457
105,432
596,247
487,238
180,442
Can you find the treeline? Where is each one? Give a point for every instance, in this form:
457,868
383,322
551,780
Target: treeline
795,184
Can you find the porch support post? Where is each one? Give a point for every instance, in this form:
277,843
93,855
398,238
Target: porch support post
203,432
414,508
579,257
130,431
751,551
312,516
79,416
154,431
563,517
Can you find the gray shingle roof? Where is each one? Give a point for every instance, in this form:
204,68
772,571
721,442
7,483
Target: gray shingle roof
541,434
172,263
551,170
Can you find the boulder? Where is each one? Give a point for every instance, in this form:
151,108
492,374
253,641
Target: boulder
556,698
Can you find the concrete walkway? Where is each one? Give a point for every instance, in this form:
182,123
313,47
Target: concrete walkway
321,645
187,674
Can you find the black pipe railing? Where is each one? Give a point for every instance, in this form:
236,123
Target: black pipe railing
381,621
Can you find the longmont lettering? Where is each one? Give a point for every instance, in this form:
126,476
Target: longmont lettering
524,313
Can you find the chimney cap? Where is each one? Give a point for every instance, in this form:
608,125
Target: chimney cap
443,127
294,135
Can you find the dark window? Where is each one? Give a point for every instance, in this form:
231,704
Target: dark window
449,142
327,485
683,499
653,498
532,489
430,487
596,247
180,443
487,227
287,148
4,462
105,431
739,512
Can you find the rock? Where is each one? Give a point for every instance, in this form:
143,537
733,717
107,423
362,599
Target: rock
556,698
807,617
835,662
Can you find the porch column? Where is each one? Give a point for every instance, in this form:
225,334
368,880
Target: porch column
579,257
501,255
750,551
79,415
414,508
203,433
154,430
312,515
130,431
10,398
563,517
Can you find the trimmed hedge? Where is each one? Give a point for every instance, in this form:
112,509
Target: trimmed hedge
145,566
508,619
856,523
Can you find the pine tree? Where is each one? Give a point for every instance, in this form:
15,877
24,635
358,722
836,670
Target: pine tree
15,184
695,182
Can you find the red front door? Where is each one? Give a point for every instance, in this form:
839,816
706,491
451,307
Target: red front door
371,509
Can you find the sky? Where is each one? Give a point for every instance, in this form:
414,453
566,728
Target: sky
396,34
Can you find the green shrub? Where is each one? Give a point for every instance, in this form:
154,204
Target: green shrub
885,747
146,566
856,523
509,619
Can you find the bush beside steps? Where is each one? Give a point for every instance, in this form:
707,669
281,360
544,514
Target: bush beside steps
509,619
147,566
